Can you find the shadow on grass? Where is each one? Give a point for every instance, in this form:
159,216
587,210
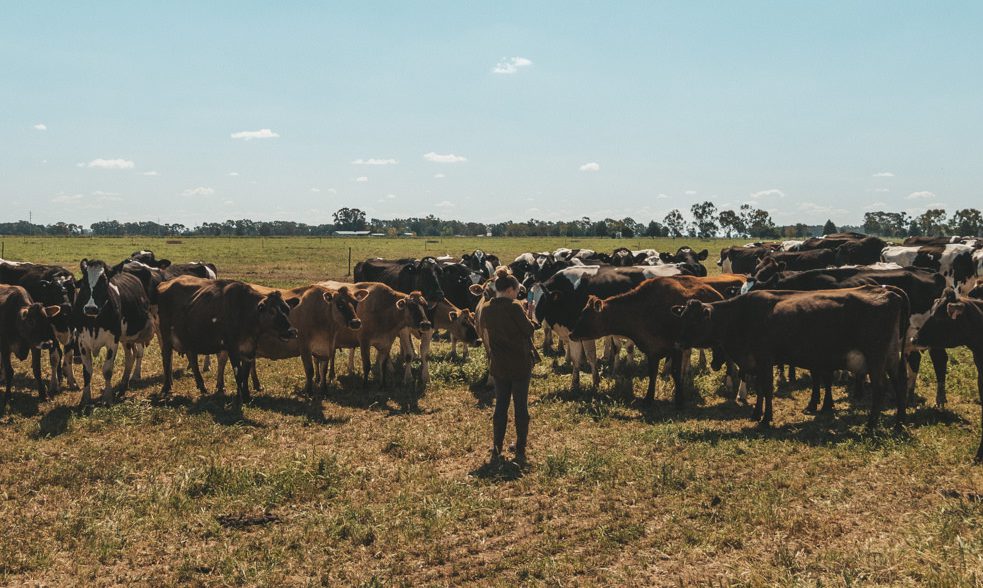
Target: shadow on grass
54,422
308,407
498,470
351,392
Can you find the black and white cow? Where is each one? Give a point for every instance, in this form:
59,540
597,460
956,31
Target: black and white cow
48,285
955,262
481,262
558,301
688,259
741,260
110,311
624,257
200,269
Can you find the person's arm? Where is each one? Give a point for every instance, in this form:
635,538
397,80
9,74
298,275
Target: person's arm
525,327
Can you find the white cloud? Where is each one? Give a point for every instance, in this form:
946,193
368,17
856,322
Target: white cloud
332,191
151,173
690,192
875,205
773,192
814,208
442,158
361,179
374,161
511,65
591,166
101,193
444,204
260,134
63,198
879,190
883,175
390,196
920,195
199,191
41,127
315,189
110,164
229,202
661,196
440,176
233,174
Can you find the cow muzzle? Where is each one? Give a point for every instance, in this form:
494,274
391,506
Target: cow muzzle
44,345
290,334
477,343
355,324
425,326
91,310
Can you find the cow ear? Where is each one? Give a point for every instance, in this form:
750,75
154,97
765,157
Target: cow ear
476,289
703,255
677,310
401,303
52,311
84,264
328,296
292,302
665,257
955,309
453,315
163,263
262,305
596,304
360,295
782,266
44,283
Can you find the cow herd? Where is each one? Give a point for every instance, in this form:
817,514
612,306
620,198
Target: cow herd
841,303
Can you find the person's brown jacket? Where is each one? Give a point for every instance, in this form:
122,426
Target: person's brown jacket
509,335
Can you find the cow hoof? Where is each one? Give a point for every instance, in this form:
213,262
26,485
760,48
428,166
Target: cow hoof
811,409
827,410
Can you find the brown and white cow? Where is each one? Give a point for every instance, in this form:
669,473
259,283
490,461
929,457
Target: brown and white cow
25,326
856,329
200,316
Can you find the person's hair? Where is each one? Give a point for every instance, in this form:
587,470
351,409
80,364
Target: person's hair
504,280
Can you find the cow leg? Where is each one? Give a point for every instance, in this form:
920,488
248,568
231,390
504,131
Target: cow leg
36,369
87,361
220,363
196,372
107,373
242,379
781,374
366,362
767,387
877,384
207,364
940,361
702,362
679,392
978,359
814,398
913,361
547,340
257,387
575,351
54,361
308,362
653,368
128,361
425,340
67,369
381,360
857,390
590,351
137,373
8,377
610,351
791,374
166,359
828,398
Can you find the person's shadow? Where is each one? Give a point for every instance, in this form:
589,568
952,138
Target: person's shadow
500,470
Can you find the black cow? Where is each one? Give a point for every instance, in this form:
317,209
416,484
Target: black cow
689,260
404,275
800,260
741,260
956,322
25,325
831,241
48,285
108,311
860,252
170,270
456,280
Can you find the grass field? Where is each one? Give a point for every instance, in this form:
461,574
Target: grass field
373,487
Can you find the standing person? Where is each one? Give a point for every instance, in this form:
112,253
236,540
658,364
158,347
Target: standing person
509,335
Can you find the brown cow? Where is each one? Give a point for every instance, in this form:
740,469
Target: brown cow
856,329
385,314
199,316
644,315
320,313
25,326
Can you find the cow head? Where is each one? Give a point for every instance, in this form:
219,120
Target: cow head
93,288
765,275
695,323
345,302
417,306
426,277
34,325
274,315
590,323
942,327
463,327
622,257
147,257
689,259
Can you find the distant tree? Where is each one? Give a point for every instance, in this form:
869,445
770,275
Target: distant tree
829,228
350,219
655,229
675,223
966,222
731,224
933,222
599,229
705,219
914,229
758,222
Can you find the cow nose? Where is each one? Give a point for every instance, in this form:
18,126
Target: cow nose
91,310
425,326
477,343
354,324
292,333
46,345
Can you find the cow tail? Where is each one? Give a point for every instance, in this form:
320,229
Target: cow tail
903,319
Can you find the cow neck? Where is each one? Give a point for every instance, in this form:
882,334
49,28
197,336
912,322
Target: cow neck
725,314
971,328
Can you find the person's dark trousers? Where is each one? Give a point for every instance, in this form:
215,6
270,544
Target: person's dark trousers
518,391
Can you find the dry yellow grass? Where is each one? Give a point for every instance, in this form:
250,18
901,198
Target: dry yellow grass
378,487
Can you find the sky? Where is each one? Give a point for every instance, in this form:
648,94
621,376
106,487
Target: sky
204,111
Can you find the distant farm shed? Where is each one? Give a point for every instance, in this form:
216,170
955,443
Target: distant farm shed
351,233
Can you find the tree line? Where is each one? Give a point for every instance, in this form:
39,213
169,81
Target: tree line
703,221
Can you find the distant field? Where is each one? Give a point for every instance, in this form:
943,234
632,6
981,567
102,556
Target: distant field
378,487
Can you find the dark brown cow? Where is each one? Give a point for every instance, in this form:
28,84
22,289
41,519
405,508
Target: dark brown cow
25,326
861,252
644,315
320,313
199,316
856,329
385,314
800,260
831,241
956,322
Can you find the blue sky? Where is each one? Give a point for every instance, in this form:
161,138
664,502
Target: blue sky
811,110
